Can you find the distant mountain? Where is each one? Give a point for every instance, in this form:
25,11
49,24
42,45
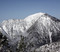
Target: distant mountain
37,29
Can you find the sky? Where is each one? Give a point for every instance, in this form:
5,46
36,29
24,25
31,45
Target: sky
19,9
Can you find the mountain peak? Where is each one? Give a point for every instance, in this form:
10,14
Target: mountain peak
15,28
34,16
31,19
37,29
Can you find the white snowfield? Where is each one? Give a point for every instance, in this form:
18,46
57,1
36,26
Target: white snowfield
16,27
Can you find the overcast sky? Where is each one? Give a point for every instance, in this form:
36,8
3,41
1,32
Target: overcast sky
19,9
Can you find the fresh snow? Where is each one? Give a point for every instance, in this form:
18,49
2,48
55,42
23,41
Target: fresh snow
15,28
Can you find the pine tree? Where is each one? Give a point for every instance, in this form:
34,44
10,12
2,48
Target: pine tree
22,45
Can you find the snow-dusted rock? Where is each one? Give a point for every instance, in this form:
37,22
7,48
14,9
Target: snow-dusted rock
38,29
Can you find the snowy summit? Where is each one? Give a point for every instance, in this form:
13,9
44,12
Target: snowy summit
39,22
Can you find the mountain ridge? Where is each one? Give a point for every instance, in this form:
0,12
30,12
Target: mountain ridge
36,30
16,26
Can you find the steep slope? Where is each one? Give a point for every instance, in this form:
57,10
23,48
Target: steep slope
45,30
15,28
32,32
30,20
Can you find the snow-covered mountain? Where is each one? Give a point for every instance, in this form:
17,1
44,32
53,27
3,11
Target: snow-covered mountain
15,27
38,29
46,29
